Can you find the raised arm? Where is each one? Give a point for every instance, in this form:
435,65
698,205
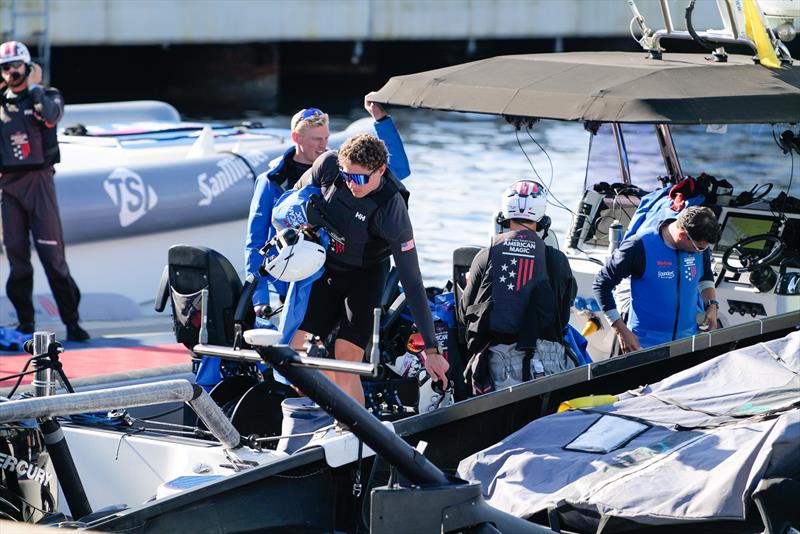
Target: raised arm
387,132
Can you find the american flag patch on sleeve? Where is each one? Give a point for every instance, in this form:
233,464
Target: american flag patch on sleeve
408,245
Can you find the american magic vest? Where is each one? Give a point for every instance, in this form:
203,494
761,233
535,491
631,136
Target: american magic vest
518,264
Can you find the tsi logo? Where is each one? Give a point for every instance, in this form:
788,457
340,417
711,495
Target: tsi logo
361,216
130,194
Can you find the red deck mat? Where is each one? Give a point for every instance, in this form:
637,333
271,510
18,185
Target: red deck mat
102,361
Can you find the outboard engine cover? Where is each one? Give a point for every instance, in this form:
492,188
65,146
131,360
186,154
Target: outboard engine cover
28,485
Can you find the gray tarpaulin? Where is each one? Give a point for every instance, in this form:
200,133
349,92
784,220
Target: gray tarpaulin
710,434
607,87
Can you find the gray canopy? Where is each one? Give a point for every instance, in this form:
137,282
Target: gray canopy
692,447
607,87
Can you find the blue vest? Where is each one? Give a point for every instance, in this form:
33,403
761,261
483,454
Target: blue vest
664,301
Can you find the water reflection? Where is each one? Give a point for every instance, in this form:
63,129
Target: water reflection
461,163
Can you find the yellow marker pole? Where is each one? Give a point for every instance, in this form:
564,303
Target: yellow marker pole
754,26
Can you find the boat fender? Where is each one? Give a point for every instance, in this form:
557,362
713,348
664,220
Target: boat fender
592,401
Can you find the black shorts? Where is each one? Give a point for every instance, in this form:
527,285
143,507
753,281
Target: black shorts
349,296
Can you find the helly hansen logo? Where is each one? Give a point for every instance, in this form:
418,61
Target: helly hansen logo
130,194
360,216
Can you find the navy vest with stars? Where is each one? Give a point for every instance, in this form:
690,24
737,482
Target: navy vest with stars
517,264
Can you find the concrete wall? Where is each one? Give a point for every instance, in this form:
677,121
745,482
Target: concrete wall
140,22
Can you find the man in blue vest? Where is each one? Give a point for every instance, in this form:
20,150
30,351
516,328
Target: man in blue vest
668,267
310,135
517,298
28,150
364,209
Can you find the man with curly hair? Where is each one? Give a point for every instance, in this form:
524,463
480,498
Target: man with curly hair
366,214
310,133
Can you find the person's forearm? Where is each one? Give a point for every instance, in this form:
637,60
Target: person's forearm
627,260
398,160
603,289
709,293
49,107
407,265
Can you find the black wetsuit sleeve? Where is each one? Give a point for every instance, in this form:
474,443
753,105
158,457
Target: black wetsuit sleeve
48,104
708,273
323,171
477,272
569,288
392,223
627,260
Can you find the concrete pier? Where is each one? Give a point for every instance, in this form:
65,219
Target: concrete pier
165,22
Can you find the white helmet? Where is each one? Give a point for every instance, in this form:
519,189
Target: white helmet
11,51
524,199
292,255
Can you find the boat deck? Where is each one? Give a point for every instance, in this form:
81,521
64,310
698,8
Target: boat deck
118,351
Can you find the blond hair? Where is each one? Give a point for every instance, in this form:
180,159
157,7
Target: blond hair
299,124
364,150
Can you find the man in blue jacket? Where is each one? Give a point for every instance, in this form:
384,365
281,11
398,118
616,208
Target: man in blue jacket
310,137
668,266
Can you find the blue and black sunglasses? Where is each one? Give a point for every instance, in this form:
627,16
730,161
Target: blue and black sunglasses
360,179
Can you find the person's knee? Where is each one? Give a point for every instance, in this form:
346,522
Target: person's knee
18,247
298,339
52,256
347,350
20,269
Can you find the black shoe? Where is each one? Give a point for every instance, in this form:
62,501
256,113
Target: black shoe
26,328
76,333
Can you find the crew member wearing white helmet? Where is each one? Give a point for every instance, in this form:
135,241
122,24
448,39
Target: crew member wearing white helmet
517,299
365,213
28,150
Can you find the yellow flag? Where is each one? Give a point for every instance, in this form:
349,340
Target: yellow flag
758,34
